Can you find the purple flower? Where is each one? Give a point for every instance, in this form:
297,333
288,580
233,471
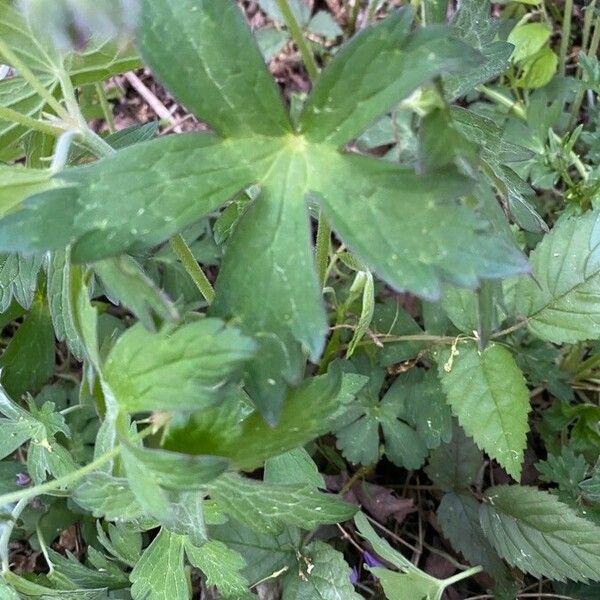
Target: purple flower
371,561
354,576
22,479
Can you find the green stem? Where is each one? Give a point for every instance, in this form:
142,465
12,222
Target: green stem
95,144
460,576
106,108
354,17
7,531
591,52
8,114
63,482
33,81
292,24
587,366
512,105
322,252
190,264
565,36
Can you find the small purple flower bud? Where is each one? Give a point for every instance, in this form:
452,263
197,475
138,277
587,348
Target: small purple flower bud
22,479
354,576
371,561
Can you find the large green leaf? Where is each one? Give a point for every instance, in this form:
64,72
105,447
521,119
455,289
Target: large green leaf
535,532
562,301
487,393
277,252
405,228
219,72
161,180
177,368
376,70
17,183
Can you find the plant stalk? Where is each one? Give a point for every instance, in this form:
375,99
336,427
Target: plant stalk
106,109
565,36
460,576
63,482
193,269
296,32
8,114
8,529
322,250
591,52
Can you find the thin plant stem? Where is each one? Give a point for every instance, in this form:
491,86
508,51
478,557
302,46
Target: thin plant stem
354,17
8,114
322,250
63,482
565,36
292,24
106,108
8,529
460,576
591,52
587,27
33,81
193,269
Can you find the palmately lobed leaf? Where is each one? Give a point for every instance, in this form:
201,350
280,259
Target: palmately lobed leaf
410,230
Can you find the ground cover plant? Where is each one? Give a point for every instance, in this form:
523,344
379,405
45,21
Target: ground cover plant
329,328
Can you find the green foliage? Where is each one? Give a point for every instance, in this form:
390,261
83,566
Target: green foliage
375,274
487,393
534,531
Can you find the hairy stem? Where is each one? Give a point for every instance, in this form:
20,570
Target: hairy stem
292,24
62,483
193,269
8,114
